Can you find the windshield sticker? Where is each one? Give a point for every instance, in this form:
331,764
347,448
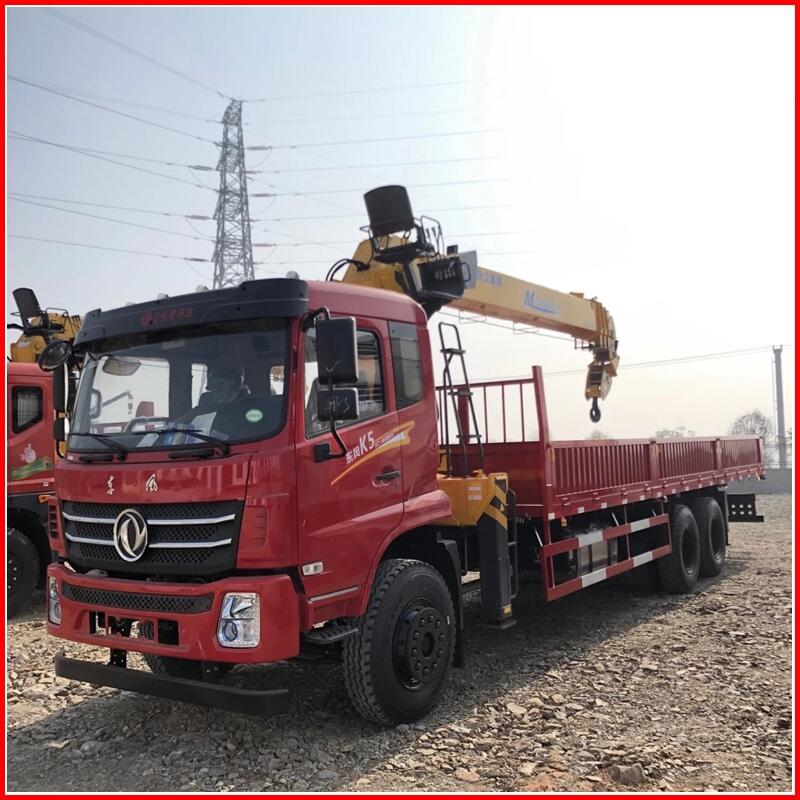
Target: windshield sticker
368,446
254,415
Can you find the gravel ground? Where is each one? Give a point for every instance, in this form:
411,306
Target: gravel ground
607,689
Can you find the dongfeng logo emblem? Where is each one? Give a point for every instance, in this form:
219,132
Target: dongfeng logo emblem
130,535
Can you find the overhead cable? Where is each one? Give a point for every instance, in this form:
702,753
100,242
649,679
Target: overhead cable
111,110
366,141
128,49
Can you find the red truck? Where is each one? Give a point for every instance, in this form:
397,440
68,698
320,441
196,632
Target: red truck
293,482
30,480
30,455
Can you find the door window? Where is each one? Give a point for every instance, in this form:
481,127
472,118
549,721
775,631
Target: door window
406,363
371,400
26,407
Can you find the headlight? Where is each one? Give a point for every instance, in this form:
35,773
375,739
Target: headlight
53,602
240,620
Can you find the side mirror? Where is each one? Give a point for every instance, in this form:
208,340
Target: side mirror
60,429
57,353
337,404
337,356
95,404
60,402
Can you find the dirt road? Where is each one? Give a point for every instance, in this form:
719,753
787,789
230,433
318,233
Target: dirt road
608,689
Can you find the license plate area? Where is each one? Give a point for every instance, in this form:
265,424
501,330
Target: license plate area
163,631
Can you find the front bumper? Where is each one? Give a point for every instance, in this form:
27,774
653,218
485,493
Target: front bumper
227,698
190,610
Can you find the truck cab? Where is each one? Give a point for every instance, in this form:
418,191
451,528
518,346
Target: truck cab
217,483
29,478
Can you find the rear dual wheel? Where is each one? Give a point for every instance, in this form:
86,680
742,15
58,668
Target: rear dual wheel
713,535
680,570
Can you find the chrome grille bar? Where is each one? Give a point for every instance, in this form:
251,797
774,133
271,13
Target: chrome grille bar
152,546
176,523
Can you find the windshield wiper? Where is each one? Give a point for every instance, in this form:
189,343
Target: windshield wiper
119,449
223,446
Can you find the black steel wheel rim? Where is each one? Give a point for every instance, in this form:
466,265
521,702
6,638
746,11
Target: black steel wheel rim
420,647
15,573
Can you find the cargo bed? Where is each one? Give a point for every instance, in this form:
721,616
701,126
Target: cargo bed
555,479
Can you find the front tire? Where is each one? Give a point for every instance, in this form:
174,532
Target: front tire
711,524
23,570
396,666
680,569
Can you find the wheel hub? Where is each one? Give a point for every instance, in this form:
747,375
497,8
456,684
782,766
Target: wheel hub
420,644
14,572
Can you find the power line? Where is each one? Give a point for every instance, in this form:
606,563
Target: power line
72,201
483,253
455,236
363,91
111,219
382,115
80,151
128,49
362,213
112,249
639,365
391,164
132,103
111,110
366,141
409,186
202,167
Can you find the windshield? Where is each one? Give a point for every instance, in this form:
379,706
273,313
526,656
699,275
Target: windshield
222,383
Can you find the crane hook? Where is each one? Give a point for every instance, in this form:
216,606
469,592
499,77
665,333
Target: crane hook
594,411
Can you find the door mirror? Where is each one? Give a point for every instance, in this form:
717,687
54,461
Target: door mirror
57,353
337,404
60,389
95,404
337,355
60,429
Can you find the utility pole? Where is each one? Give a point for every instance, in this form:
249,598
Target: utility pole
777,352
233,250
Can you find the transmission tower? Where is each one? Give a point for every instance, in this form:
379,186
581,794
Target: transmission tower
233,250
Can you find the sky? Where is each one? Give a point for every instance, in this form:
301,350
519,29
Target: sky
643,156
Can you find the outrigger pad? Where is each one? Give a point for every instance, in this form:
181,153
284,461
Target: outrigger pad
228,698
742,508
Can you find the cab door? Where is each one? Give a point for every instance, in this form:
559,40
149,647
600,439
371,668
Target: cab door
347,505
30,439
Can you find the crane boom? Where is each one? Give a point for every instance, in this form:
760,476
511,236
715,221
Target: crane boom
494,294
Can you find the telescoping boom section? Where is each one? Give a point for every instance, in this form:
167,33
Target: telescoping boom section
284,479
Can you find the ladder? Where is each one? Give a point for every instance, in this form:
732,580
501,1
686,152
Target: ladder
459,394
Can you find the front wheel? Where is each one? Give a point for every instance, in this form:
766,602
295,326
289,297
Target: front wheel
22,564
396,666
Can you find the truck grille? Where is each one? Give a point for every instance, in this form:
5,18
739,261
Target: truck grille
183,538
135,601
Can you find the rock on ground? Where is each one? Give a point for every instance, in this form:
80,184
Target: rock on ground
610,689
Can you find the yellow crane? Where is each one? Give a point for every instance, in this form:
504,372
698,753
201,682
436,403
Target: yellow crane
39,327
491,294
